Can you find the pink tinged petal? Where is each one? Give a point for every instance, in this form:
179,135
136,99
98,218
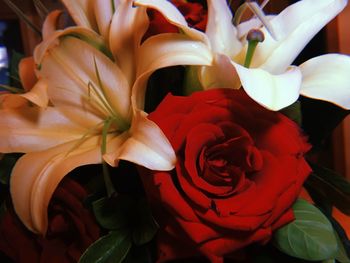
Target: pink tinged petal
327,78
174,17
147,146
52,40
295,27
36,176
81,12
29,129
103,12
69,73
221,74
128,26
220,30
166,50
271,91
50,23
38,94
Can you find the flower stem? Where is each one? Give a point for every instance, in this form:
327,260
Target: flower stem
106,176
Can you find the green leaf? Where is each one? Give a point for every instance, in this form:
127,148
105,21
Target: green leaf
310,236
112,248
112,213
129,213
330,186
147,227
293,112
341,256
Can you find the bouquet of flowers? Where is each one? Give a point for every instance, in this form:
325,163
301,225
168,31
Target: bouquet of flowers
158,131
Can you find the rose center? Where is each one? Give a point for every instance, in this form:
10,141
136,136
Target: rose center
228,163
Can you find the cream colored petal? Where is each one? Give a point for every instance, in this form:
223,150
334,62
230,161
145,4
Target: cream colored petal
295,27
26,71
38,94
146,146
327,78
50,24
69,68
36,176
220,30
82,12
29,129
166,50
173,15
127,29
221,74
271,91
254,23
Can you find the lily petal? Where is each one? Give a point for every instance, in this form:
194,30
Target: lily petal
26,70
36,176
271,91
166,50
38,94
29,129
81,33
295,27
220,30
69,73
129,24
221,74
50,23
82,12
146,146
327,78
103,13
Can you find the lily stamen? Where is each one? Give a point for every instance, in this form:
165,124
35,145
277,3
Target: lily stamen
254,37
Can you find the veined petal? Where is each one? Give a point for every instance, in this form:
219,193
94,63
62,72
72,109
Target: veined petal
29,129
271,91
38,94
295,27
81,12
129,24
146,146
26,70
173,16
166,50
50,24
327,78
36,176
74,85
220,30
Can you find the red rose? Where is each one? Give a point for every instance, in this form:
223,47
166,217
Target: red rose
240,168
72,229
194,13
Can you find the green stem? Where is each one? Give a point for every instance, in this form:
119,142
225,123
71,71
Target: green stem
250,52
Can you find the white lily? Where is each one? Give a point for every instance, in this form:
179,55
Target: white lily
271,80
90,118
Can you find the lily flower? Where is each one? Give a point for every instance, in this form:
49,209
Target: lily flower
90,118
270,80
